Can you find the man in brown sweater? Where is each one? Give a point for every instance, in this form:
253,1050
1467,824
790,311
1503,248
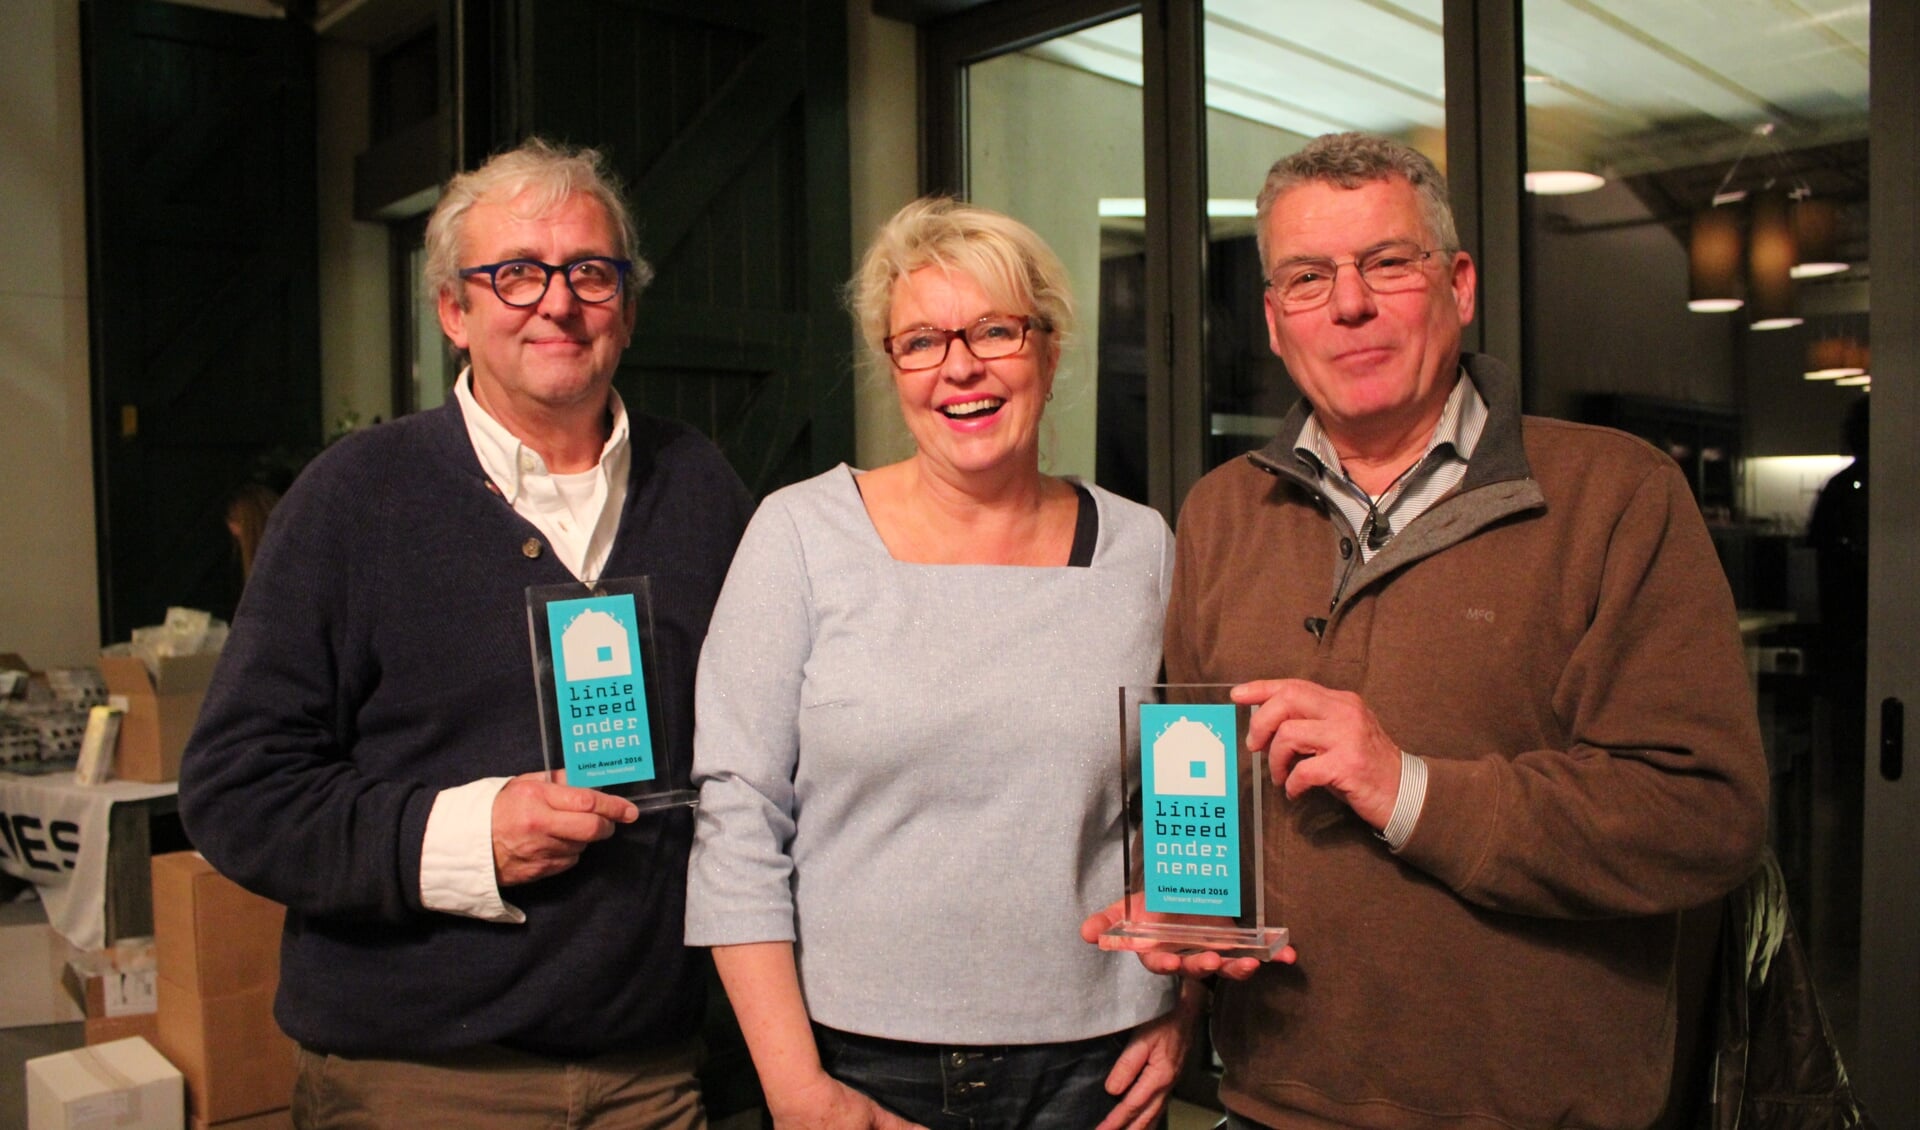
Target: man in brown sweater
1498,675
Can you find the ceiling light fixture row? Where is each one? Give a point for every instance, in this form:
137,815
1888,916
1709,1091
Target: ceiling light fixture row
1747,249
1841,358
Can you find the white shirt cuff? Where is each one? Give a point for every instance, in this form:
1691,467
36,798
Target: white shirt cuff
456,857
1406,807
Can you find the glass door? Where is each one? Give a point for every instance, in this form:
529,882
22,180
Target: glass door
1054,138
1278,75
1698,252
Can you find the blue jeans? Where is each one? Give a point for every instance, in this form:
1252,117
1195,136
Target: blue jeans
1001,1087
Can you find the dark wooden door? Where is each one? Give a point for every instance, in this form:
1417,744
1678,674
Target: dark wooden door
202,279
728,121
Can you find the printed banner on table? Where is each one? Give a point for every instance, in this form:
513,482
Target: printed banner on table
54,834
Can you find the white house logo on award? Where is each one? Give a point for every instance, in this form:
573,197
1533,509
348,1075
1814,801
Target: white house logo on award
1189,759
596,646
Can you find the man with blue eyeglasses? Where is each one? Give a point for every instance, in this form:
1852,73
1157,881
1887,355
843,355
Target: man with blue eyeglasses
468,942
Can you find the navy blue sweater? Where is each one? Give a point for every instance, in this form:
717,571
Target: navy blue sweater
380,655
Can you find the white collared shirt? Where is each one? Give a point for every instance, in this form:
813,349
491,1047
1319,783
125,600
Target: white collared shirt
578,514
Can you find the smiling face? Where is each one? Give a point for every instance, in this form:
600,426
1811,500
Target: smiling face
1376,367
969,417
556,357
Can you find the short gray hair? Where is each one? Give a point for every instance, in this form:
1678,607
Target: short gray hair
1004,256
551,173
1350,160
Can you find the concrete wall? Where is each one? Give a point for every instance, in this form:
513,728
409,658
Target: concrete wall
49,612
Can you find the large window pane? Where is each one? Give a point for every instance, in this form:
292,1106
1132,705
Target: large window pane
1277,75
1053,138
1704,130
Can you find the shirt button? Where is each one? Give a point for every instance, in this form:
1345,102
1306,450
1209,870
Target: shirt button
1346,547
530,548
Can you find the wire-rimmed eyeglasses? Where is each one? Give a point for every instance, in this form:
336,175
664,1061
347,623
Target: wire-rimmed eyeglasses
1302,284
524,282
994,336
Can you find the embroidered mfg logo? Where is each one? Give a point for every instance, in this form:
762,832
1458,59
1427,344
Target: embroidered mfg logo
600,689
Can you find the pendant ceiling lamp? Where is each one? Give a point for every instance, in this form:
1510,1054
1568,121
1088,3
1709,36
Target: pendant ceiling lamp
1770,257
1816,236
1713,261
1837,357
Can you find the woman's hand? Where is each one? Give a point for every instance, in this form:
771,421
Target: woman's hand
825,1103
1144,1075
764,985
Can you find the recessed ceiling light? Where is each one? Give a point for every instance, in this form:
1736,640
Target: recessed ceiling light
1776,323
1714,305
1815,270
1832,374
1861,381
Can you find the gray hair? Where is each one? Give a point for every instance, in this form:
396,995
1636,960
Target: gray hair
547,174
1350,160
1004,256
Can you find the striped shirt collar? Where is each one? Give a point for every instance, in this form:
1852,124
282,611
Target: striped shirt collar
1440,468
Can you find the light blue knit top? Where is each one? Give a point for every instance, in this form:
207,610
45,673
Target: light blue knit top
912,771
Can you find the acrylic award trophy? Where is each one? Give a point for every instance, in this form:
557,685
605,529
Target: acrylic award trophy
1195,869
594,671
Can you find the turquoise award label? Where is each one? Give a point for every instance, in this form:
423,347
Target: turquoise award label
599,691
1190,815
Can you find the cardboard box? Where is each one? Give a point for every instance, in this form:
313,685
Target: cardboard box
272,1120
211,937
31,957
106,1029
118,1002
103,988
161,709
236,1060
125,1084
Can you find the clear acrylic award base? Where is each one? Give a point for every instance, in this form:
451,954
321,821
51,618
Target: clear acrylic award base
1195,868
1162,934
